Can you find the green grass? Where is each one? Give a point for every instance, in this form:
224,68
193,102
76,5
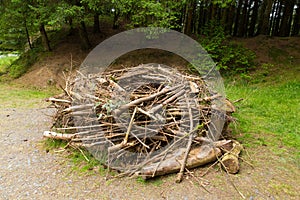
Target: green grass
5,63
270,112
13,96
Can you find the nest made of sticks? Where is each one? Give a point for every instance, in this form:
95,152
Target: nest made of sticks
148,120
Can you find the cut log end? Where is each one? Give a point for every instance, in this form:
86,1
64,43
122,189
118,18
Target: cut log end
230,160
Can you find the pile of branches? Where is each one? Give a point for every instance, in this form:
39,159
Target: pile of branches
148,120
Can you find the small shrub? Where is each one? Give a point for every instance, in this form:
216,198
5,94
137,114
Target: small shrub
230,58
22,64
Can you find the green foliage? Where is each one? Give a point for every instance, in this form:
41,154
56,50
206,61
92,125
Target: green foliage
22,64
229,57
5,62
223,3
151,13
13,15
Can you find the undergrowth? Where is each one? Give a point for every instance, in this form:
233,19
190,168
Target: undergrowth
23,63
5,62
230,57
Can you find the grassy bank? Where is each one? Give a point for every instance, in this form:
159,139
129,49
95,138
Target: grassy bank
269,114
15,96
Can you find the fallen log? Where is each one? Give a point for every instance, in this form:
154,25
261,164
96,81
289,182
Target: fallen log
198,156
230,160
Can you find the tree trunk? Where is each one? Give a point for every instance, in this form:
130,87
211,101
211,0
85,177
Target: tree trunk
96,28
296,22
201,18
230,19
237,17
243,21
205,17
27,34
277,19
116,18
285,25
189,18
272,17
253,19
213,11
265,17
45,40
224,14
85,42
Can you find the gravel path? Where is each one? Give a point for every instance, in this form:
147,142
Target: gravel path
28,172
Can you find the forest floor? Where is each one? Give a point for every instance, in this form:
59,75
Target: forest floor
28,170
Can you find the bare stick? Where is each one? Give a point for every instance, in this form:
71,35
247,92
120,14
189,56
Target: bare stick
231,181
52,99
60,136
189,145
78,108
198,180
140,100
129,127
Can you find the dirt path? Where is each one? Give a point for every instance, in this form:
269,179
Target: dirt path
28,172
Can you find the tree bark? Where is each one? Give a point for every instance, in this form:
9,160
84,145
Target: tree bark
27,34
45,40
277,18
296,22
85,42
189,18
253,19
230,19
285,25
116,18
243,21
96,28
237,17
265,17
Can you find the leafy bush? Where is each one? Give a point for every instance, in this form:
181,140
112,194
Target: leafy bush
5,62
229,57
22,64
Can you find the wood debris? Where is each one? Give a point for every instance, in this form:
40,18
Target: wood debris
146,121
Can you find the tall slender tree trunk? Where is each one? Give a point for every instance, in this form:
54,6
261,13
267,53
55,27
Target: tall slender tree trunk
296,22
116,19
253,18
265,17
237,17
45,40
200,20
243,22
214,11
272,17
230,19
285,25
277,19
189,18
96,27
27,33
85,42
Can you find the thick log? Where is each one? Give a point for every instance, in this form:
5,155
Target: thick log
230,160
197,157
